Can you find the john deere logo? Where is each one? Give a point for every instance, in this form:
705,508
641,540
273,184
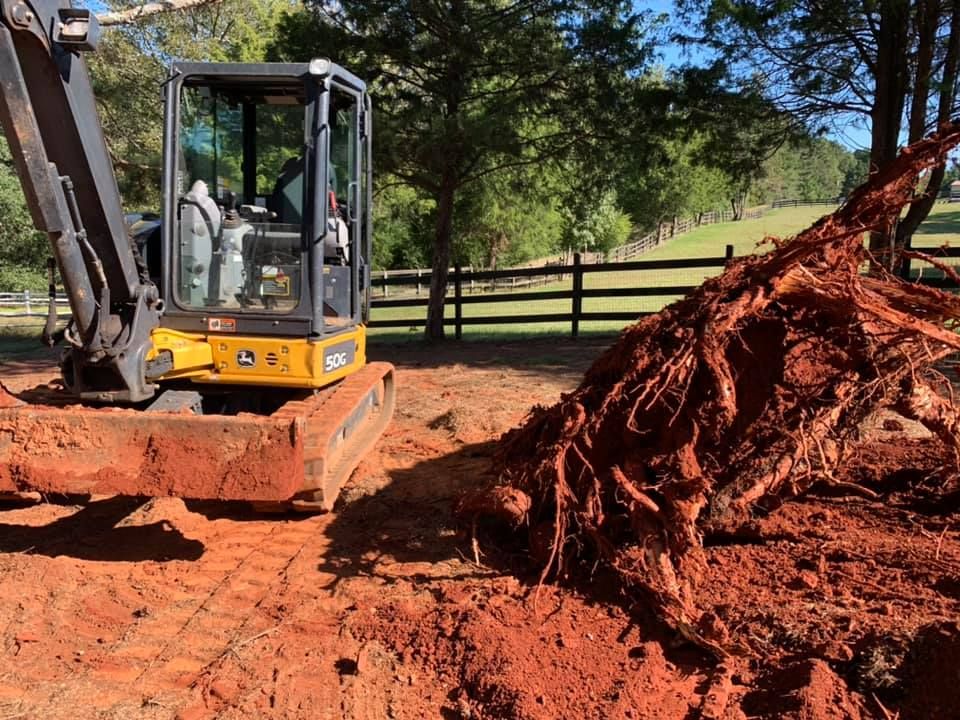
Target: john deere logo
246,358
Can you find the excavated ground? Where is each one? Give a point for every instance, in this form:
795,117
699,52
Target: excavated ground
120,608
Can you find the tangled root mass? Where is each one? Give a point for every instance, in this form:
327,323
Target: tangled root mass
744,394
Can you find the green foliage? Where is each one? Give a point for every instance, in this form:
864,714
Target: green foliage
23,250
856,168
508,218
603,227
812,169
684,184
401,226
17,278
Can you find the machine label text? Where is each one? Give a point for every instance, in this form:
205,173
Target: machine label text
338,356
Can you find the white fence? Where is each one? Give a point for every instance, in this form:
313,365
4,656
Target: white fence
27,304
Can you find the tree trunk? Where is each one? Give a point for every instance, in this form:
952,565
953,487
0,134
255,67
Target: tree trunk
921,206
890,96
738,202
442,240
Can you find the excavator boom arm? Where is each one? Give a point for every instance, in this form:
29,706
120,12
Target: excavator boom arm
49,116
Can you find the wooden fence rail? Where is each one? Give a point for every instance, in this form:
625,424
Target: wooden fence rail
668,230
806,203
577,293
25,304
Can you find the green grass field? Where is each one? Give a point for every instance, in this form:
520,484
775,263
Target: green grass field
747,236
942,227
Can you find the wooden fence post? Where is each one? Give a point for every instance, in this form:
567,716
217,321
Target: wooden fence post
26,301
577,295
728,256
386,292
419,279
457,297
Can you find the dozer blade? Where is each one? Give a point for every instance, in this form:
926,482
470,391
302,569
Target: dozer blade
304,451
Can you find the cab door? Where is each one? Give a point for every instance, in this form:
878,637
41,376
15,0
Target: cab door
347,185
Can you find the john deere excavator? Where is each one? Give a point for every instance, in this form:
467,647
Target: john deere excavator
219,350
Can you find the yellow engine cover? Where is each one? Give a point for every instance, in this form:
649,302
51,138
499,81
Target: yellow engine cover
262,361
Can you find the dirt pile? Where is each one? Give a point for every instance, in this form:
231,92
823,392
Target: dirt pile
748,392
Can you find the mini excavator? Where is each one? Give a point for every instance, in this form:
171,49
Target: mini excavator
217,350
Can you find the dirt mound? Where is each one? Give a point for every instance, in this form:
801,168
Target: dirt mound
804,690
748,392
378,610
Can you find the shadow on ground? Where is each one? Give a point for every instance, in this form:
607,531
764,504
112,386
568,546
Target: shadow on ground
91,533
406,529
938,224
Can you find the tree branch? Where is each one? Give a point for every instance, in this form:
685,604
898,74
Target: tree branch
148,9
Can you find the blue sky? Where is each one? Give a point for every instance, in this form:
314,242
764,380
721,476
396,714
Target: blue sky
850,131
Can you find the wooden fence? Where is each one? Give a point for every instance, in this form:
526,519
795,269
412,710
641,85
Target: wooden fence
417,282
25,305
459,280
806,203
667,231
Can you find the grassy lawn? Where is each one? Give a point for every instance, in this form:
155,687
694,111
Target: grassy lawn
942,227
20,341
745,236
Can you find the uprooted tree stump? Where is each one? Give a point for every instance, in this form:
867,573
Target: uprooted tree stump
747,392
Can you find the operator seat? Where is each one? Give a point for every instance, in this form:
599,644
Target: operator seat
287,197
200,225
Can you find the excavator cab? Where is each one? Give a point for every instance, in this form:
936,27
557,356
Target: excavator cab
266,205
230,329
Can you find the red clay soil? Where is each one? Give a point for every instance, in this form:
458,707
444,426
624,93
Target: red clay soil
118,608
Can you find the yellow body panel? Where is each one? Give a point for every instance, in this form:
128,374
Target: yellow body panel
264,361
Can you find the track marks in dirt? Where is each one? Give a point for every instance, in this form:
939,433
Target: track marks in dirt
144,647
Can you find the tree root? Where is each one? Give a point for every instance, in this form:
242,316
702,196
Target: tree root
746,393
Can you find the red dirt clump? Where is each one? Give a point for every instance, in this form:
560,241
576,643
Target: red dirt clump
745,394
6,399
